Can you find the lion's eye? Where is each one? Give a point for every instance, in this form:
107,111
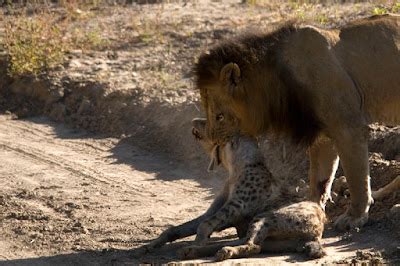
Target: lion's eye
220,117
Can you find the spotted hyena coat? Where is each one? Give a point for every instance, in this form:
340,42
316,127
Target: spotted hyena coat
253,201
256,193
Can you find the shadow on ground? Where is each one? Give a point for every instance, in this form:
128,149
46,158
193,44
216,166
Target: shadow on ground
161,164
369,238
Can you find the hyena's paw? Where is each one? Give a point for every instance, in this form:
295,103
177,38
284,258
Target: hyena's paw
204,231
225,253
141,251
201,240
314,250
189,252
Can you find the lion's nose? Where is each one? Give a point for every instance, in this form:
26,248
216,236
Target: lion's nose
196,133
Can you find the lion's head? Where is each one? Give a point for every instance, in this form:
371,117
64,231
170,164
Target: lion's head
245,86
231,153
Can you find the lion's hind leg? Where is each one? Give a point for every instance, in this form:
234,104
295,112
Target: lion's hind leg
390,188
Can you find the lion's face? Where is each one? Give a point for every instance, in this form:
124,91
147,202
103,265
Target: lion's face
230,153
222,122
224,103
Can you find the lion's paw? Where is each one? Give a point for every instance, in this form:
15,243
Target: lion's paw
347,222
225,253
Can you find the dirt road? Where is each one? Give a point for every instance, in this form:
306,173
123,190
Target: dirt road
64,190
71,197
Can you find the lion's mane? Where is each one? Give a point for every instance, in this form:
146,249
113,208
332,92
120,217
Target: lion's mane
274,99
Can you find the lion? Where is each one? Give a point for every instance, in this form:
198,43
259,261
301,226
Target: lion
319,88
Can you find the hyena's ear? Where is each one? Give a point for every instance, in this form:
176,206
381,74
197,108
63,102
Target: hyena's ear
230,77
214,160
235,142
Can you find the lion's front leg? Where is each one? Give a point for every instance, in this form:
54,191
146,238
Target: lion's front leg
353,151
323,165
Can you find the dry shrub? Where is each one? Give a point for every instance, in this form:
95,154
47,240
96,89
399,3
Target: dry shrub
33,44
36,43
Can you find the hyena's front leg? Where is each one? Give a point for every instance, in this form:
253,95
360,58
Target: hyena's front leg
186,229
227,215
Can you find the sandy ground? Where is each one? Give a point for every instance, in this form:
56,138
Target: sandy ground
66,191
71,197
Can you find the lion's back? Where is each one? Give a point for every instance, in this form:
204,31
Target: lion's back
369,50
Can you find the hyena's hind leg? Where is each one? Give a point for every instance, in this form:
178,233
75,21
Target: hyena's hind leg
199,251
314,249
297,227
252,246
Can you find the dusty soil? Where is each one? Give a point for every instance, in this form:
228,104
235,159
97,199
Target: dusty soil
73,197
98,157
67,191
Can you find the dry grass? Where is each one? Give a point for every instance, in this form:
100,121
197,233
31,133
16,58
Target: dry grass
148,28
36,41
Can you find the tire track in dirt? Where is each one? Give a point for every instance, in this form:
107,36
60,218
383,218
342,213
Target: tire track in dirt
35,151
65,190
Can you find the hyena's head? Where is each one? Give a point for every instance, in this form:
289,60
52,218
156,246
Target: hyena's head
239,150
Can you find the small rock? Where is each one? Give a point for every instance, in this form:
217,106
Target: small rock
35,235
72,205
49,228
340,185
112,55
85,230
394,214
80,228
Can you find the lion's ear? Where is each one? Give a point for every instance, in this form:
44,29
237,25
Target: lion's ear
230,75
